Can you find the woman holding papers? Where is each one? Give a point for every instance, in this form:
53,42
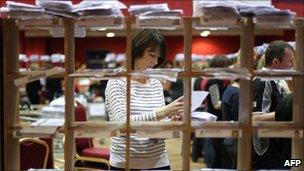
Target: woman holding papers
147,104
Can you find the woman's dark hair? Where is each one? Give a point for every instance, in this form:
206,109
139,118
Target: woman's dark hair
148,38
219,61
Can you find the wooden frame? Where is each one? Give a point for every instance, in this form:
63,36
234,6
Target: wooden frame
11,51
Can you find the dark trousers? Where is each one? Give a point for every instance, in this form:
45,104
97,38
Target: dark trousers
215,154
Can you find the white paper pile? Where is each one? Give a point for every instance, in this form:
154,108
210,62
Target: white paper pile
93,8
48,122
141,9
217,12
282,17
156,16
24,11
106,73
55,7
227,12
228,73
203,116
160,74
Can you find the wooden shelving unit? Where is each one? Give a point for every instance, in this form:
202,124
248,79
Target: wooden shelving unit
242,129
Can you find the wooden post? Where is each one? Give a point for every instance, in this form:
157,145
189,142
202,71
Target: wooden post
128,89
11,94
69,51
187,92
245,109
298,99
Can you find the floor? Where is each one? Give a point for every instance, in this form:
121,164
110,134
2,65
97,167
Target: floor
174,147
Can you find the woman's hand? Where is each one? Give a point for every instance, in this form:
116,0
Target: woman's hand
174,108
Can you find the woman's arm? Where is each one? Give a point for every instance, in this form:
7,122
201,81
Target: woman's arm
116,105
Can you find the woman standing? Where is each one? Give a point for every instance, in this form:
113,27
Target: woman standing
147,104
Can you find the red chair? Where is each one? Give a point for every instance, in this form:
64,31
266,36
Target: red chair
50,161
33,153
87,155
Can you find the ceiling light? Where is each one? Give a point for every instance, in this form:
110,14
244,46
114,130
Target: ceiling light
110,34
101,29
205,33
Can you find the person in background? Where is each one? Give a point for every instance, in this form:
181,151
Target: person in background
267,95
229,107
146,104
280,148
214,155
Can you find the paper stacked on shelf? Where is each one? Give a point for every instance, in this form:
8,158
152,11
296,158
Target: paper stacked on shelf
266,14
228,73
48,122
141,9
60,8
276,74
55,5
24,11
93,8
104,13
156,16
106,73
37,75
270,17
160,74
216,12
227,12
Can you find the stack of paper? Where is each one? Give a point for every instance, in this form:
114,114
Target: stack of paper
24,11
160,74
96,73
55,7
48,122
156,16
282,17
228,73
216,12
203,116
141,9
91,8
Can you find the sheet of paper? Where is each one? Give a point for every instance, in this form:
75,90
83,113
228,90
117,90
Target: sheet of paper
197,98
48,122
203,116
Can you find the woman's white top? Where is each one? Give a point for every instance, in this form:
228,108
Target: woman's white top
145,153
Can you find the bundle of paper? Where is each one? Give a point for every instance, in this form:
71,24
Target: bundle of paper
282,17
172,13
203,116
156,16
24,11
215,11
98,8
37,75
55,5
228,73
160,74
96,73
48,122
141,9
